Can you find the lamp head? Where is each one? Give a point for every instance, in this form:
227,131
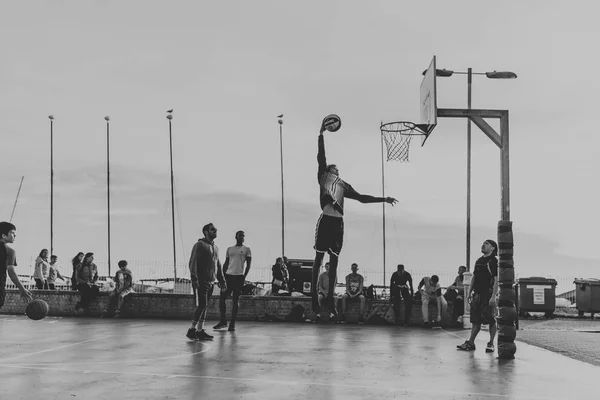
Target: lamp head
280,121
107,118
169,117
51,117
501,75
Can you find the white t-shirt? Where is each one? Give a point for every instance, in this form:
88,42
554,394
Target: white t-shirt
237,255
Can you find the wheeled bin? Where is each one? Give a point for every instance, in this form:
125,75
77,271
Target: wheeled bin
587,295
537,294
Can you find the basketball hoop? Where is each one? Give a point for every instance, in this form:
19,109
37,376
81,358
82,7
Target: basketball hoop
397,137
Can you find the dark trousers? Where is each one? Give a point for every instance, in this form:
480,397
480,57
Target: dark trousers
404,294
202,294
51,286
458,309
118,298
88,293
235,283
41,284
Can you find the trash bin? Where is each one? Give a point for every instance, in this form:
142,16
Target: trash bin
587,295
537,294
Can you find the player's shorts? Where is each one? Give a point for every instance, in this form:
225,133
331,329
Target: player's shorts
329,235
481,310
235,284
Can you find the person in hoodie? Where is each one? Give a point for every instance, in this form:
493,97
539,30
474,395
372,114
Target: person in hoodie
123,287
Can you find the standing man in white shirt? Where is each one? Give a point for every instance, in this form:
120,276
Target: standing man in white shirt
235,276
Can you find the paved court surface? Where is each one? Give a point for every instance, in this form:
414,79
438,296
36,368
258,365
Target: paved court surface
574,338
86,358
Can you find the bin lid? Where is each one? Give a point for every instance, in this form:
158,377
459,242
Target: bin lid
589,281
537,279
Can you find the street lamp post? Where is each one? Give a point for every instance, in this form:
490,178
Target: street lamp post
280,121
170,117
107,119
445,73
51,117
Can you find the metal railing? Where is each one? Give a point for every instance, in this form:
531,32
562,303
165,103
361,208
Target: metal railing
157,277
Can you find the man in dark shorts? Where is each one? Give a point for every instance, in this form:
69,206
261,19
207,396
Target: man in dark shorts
8,262
483,290
329,233
400,283
235,276
205,269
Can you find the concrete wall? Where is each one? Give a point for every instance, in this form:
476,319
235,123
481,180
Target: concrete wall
181,306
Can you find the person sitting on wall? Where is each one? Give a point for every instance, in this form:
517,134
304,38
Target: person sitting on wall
456,294
123,287
280,276
323,291
431,290
354,291
87,276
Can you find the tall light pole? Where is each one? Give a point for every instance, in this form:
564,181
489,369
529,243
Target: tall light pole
51,117
170,117
280,121
107,119
445,73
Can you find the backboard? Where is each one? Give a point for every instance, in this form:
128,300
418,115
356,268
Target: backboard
429,99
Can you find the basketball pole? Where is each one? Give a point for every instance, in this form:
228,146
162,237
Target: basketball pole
170,117
107,119
383,204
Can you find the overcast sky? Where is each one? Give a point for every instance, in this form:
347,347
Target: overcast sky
229,68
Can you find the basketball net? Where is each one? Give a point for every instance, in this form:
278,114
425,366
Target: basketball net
397,137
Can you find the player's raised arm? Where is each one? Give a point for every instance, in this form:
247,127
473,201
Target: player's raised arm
365,198
321,156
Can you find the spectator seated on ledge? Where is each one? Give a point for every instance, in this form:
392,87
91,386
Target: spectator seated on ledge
456,294
354,291
401,288
87,276
280,276
323,291
432,291
123,287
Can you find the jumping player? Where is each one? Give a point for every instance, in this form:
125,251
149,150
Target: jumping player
8,262
330,225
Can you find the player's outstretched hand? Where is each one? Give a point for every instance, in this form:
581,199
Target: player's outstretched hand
26,296
391,200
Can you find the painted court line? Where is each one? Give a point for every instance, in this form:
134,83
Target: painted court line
377,386
123,361
54,349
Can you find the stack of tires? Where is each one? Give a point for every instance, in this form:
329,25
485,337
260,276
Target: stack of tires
507,312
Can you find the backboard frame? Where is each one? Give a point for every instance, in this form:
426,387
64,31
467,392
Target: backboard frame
428,105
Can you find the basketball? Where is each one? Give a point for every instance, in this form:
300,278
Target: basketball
37,309
332,122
